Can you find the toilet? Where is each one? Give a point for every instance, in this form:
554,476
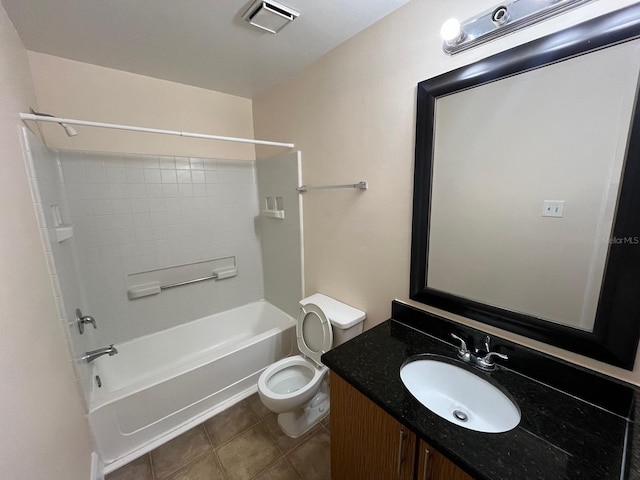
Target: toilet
297,387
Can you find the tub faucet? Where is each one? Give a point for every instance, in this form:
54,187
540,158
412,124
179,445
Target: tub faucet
93,354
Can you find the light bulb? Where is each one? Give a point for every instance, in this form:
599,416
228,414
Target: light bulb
451,31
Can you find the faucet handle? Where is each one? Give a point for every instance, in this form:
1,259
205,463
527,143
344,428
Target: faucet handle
89,319
487,344
82,320
486,363
463,344
463,351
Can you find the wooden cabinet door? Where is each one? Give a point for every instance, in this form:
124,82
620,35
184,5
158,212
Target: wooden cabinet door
432,465
366,442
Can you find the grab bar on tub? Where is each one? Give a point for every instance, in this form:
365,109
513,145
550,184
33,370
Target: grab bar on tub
187,282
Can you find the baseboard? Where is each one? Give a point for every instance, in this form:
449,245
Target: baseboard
97,469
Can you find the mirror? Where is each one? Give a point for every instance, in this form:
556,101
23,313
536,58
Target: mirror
524,211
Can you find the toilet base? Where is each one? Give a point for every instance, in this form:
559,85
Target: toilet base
297,423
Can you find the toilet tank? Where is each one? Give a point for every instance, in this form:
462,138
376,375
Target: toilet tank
345,320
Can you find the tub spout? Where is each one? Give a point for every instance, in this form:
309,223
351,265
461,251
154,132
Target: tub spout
93,354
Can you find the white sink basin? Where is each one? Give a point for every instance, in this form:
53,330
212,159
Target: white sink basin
459,396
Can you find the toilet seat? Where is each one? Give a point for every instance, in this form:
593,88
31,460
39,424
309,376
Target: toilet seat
308,379
297,387
314,332
294,381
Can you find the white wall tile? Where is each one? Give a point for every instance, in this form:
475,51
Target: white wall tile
95,174
170,190
130,160
139,205
211,176
186,190
152,175
101,207
167,162
137,190
182,163
116,175
98,191
168,176
117,191
154,190
199,189
196,163
135,175
198,176
159,212
73,172
121,205
65,283
150,161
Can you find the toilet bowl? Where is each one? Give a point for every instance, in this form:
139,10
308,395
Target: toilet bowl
297,387
289,383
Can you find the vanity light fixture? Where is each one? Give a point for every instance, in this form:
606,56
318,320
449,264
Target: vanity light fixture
269,15
451,31
500,20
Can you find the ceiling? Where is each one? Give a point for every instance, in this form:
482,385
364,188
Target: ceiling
204,43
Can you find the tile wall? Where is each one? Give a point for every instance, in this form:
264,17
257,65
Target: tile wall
43,169
282,240
134,213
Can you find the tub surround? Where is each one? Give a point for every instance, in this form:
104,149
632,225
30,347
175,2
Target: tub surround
575,423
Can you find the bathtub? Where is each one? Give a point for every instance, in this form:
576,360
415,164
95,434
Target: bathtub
160,385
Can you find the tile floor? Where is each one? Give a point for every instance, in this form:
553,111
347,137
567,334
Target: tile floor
241,443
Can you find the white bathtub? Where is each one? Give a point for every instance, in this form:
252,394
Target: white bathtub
160,385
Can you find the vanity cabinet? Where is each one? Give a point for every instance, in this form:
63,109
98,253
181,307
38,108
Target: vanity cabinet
432,465
367,443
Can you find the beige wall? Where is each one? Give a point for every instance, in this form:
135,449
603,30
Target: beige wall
70,89
44,433
352,114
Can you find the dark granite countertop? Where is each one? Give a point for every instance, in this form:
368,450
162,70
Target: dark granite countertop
583,431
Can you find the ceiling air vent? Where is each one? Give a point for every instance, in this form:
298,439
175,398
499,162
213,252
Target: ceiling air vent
270,16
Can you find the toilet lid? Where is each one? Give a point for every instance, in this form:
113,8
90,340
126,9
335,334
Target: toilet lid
314,333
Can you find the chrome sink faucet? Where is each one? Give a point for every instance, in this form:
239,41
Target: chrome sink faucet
484,362
93,354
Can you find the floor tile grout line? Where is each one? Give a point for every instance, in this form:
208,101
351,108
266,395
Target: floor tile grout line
222,467
315,429
215,453
292,466
241,432
153,473
187,465
300,445
266,431
267,467
206,433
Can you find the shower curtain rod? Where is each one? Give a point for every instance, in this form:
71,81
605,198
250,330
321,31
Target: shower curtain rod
70,121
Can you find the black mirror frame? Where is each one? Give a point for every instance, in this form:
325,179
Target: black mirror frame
616,332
